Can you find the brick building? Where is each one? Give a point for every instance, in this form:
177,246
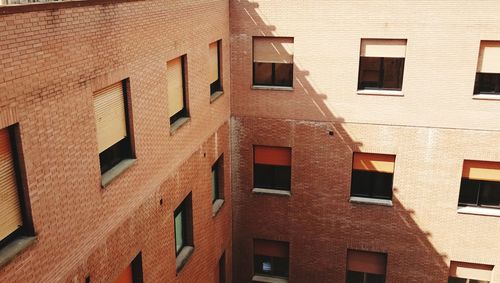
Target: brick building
250,141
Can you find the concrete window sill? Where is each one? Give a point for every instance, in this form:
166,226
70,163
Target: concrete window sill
116,171
268,279
375,201
183,257
270,87
380,92
178,124
486,96
216,206
214,96
479,211
271,192
14,248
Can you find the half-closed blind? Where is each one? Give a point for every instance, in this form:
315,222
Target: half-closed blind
489,57
389,48
271,248
471,270
368,262
126,276
175,88
481,170
374,162
273,50
213,62
109,108
272,155
10,209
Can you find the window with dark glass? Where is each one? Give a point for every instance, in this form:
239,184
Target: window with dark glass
112,124
372,175
480,184
214,65
381,64
365,267
222,268
176,89
273,61
465,272
488,69
132,273
183,225
272,167
218,179
271,258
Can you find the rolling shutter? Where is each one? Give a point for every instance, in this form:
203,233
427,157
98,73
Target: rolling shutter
10,209
109,108
474,271
271,248
273,50
489,57
213,62
367,262
271,155
374,162
481,170
175,89
388,48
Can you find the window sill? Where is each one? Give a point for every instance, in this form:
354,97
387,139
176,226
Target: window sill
268,279
215,95
216,206
479,211
116,171
380,92
376,201
14,248
486,96
183,257
271,192
271,87
178,124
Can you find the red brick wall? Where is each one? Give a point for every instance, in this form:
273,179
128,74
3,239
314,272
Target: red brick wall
51,62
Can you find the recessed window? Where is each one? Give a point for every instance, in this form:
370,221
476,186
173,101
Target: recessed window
14,209
271,258
214,65
132,273
112,124
381,64
273,61
272,167
372,175
480,185
183,231
488,69
365,267
222,268
464,272
218,179
176,90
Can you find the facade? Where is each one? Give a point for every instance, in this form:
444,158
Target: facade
249,141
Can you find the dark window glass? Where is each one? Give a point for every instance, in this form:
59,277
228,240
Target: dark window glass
273,74
263,73
487,83
184,111
283,74
381,73
183,228
274,266
479,193
361,277
272,176
137,269
114,154
222,269
215,182
217,85
371,184
489,194
463,280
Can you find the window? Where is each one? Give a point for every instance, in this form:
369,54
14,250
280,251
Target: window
464,272
214,65
222,268
272,167
133,272
183,231
113,134
480,184
218,179
488,69
273,61
372,175
14,210
270,258
365,267
176,90
381,64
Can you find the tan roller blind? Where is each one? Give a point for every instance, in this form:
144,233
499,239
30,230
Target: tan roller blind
368,262
109,108
175,89
481,170
471,270
374,162
10,209
273,50
389,48
271,248
489,57
213,62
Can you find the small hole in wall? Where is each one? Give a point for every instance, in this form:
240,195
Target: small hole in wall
204,154
330,133
161,201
